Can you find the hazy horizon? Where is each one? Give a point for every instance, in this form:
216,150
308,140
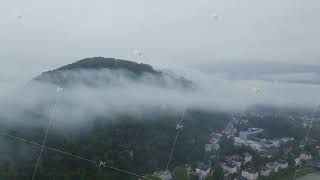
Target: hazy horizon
37,36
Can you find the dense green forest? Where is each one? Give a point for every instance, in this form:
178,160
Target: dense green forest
137,145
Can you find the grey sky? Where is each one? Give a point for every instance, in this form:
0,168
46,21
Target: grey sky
51,33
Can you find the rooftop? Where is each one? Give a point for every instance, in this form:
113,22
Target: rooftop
251,170
252,130
229,164
203,166
280,161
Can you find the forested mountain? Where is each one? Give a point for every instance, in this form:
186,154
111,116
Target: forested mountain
119,68
97,63
139,142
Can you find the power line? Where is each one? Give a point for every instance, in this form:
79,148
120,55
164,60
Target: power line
46,147
127,172
44,140
179,127
69,154
19,139
58,90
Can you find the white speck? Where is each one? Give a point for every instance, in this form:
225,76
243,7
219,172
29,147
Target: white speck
179,126
256,90
102,164
137,52
214,17
59,89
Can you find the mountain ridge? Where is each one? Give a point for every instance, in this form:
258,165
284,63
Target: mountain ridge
97,63
133,71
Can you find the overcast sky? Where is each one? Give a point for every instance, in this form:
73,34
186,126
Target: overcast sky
38,35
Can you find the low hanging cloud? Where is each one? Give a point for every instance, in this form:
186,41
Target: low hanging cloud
306,77
108,93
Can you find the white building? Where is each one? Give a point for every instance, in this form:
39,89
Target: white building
254,145
203,170
208,147
247,157
250,174
318,149
265,171
195,176
271,166
298,161
251,132
305,156
229,167
271,143
216,147
287,139
237,160
238,141
281,164
213,143
164,175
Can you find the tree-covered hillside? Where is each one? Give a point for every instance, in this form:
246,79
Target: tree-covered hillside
139,142
141,145
69,74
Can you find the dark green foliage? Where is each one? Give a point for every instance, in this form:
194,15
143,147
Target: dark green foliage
218,174
121,69
141,145
180,173
151,177
96,63
227,147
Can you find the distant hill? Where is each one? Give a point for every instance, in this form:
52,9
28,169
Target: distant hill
98,63
134,71
110,63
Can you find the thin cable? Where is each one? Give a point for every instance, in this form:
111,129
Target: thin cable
44,140
46,147
19,139
175,141
71,155
127,172
49,125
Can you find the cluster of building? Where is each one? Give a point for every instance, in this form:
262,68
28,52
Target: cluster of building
266,147
235,164
164,175
240,166
213,143
201,172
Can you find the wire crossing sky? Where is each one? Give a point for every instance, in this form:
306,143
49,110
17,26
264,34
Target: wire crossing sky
179,129
52,116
